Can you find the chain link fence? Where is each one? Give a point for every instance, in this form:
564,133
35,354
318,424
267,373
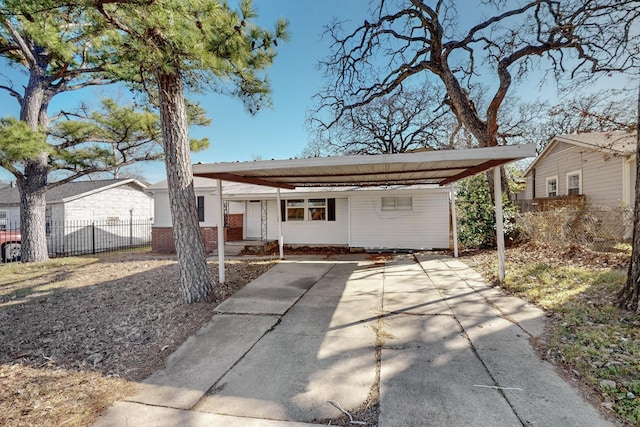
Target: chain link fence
597,228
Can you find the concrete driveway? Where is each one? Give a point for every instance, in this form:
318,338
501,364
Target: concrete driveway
425,333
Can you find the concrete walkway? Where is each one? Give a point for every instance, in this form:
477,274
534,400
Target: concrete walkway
426,333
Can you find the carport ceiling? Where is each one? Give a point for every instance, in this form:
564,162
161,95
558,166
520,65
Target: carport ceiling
427,167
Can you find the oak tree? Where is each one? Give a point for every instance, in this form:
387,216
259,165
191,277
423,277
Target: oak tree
401,121
497,42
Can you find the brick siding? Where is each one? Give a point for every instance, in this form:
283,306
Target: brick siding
235,220
234,231
162,239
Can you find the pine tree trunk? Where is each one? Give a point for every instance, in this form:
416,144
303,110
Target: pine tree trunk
195,281
629,295
32,211
33,183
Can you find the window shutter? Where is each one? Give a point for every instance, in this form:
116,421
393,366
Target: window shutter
331,209
283,210
200,204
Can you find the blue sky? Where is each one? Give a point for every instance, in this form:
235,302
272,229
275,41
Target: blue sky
277,133
235,134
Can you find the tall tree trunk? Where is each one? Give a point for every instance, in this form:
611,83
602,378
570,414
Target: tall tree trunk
33,206
195,281
33,183
629,295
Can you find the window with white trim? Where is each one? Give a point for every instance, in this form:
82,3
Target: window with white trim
397,203
295,210
317,209
552,186
308,210
574,182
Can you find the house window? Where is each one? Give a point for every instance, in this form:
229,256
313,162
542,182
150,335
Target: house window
574,183
310,210
112,220
3,220
397,203
317,209
552,186
295,210
200,204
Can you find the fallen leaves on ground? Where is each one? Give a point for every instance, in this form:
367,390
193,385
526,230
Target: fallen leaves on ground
115,320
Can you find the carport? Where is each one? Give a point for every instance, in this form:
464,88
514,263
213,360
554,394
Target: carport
443,167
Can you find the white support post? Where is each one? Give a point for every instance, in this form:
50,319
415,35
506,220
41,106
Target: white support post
454,221
221,277
497,191
280,238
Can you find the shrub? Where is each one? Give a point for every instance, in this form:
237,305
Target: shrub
476,219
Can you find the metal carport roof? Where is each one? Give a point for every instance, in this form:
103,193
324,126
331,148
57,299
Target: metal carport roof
427,167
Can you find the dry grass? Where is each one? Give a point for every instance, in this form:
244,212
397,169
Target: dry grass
78,333
58,397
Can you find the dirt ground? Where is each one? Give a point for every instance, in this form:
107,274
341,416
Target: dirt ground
94,328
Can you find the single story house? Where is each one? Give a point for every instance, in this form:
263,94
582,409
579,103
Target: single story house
392,197
370,217
386,201
601,166
87,216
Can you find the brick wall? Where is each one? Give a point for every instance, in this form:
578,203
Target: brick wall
232,234
234,231
235,220
162,239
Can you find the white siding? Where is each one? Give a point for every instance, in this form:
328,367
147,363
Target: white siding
120,202
210,209
311,232
424,227
601,173
528,192
162,214
12,217
162,210
236,207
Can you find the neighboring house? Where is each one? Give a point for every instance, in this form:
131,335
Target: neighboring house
394,217
599,165
86,215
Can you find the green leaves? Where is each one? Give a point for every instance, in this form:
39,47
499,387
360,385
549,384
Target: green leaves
210,44
477,223
102,139
18,142
113,135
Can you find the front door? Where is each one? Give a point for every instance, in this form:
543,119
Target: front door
254,214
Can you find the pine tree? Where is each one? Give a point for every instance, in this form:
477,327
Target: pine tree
167,45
